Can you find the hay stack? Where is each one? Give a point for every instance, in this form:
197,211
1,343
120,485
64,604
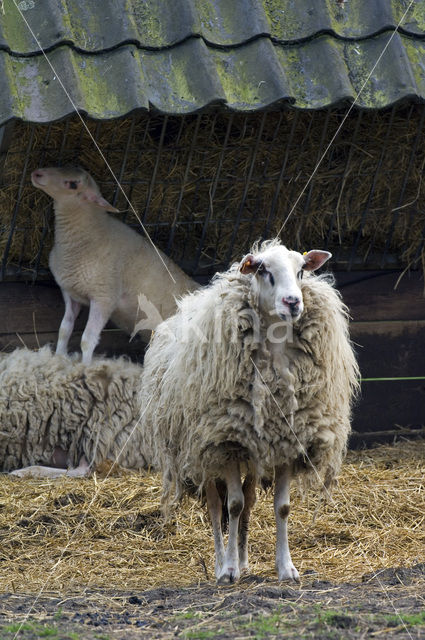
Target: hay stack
368,188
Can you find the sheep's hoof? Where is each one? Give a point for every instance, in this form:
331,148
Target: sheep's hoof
288,573
228,576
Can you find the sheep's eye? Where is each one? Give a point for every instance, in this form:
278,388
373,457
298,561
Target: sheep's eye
264,272
72,184
300,274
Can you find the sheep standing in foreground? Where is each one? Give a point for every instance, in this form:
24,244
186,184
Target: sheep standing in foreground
99,261
55,410
254,373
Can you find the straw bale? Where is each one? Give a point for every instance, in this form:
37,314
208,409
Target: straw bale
368,187
107,533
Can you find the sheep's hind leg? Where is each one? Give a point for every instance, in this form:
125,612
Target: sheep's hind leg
214,507
248,489
230,571
72,309
284,565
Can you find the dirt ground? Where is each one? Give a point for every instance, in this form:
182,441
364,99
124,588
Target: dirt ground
389,605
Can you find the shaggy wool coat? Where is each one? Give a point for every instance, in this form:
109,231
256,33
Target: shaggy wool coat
211,390
49,401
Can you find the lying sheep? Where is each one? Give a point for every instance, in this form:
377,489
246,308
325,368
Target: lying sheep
99,261
255,373
56,411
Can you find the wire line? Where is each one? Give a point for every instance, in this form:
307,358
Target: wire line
80,522
305,453
95,143
319,162
132,208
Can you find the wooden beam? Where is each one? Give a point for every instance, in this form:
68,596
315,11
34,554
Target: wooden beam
113,343
30,315
6,133
392,348
372,296
29,308
388,330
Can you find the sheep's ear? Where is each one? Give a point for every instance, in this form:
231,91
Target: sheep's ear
315,259
95,198
249,264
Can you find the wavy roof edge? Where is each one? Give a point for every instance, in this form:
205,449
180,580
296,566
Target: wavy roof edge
77,45
320,73
343,104
28,27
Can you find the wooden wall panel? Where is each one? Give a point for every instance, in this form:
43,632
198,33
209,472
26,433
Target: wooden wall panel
388,328
372,296
30,315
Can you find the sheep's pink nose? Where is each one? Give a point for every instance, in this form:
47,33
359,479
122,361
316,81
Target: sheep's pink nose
293,303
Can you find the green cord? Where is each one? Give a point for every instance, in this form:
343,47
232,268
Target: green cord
390,379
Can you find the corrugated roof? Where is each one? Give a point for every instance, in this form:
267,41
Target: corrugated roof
180,56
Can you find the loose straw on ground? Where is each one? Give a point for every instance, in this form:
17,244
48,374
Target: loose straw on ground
379,513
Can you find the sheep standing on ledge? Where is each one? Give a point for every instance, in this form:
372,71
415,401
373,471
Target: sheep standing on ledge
57,411
100,262
255,373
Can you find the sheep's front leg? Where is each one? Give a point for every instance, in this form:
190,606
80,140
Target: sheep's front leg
98,317
284,565
81,471
72,309
230,571
249,501
215,506
38,471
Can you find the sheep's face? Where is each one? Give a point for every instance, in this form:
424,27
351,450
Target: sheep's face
277,274
60,182
69,185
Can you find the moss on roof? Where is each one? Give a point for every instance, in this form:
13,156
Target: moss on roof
183,56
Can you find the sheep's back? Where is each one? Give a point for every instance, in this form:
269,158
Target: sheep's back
49,401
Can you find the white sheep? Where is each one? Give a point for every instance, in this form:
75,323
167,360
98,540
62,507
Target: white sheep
99,261
254,373
55,410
